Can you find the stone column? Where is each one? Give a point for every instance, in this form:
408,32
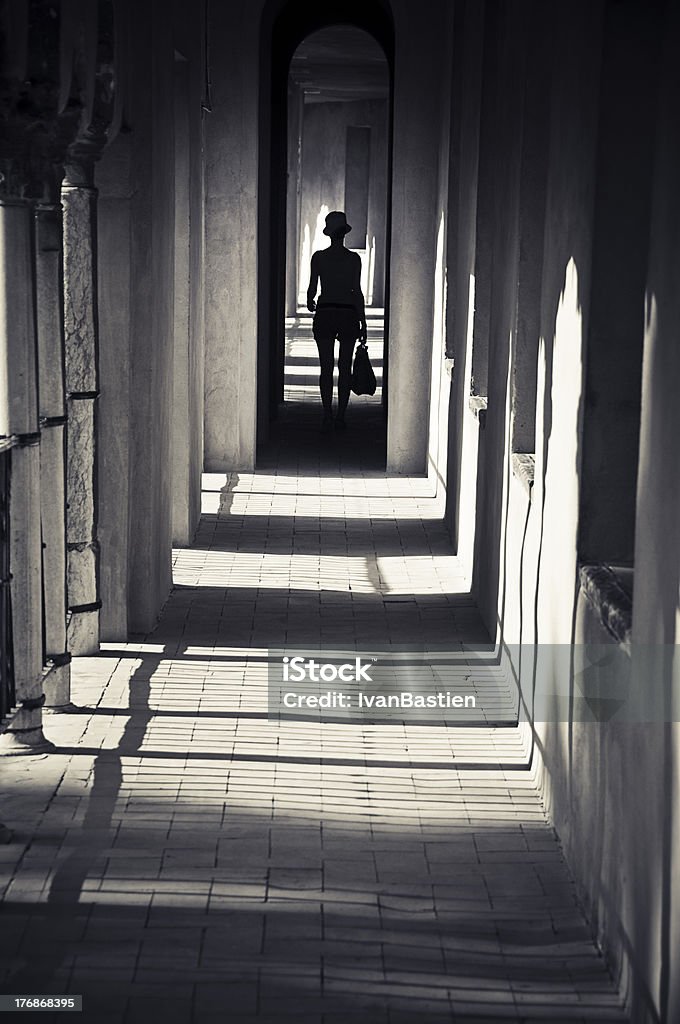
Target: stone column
231,245
181,462
114,286
52,410
415,220
80,329
20,429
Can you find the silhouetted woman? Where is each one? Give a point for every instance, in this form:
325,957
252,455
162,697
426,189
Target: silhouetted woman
340,314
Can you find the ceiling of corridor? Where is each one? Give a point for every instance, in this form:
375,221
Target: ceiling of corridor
340,63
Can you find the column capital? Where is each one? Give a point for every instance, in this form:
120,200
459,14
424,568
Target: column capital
59,94
13,200
79,174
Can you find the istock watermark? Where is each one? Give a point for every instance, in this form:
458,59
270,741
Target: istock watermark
392,685
485,684
299,670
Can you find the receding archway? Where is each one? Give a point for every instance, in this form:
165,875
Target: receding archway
287,28
337,159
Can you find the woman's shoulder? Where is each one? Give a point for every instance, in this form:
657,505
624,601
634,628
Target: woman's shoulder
320,258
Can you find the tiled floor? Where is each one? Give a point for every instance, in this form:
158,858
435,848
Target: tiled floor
184,858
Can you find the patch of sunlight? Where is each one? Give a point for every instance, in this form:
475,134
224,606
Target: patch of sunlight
320,240
342,506
132,648
396,575
305,258
210,503
561,479
246,570
244,653
371,272
421,574
436,442
214,481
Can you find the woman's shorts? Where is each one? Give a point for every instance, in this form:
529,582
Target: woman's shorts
335,322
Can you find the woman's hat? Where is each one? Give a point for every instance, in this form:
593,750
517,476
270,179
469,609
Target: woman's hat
335,221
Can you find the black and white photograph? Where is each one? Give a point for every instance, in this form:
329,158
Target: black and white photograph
340,511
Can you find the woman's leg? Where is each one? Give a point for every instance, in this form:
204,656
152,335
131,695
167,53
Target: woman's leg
344,375
326,348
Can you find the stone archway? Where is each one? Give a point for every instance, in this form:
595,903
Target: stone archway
284,27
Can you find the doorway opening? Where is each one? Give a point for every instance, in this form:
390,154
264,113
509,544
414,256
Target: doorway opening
338,120
332,152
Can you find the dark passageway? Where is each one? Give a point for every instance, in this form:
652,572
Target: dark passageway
338,156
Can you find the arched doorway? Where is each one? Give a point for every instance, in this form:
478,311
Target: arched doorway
336,33
338,135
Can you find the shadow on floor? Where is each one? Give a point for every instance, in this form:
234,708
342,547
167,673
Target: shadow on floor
172,863
296,441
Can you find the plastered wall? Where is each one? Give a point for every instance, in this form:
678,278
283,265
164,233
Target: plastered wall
231,270
610,787
322,186
149,470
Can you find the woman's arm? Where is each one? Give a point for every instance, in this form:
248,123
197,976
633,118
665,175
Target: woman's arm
313,283
359,297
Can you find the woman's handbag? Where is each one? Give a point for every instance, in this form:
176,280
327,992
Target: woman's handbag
363,378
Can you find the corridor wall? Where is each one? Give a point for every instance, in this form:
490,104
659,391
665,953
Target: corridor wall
152,395
323,178
231,253
544,562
